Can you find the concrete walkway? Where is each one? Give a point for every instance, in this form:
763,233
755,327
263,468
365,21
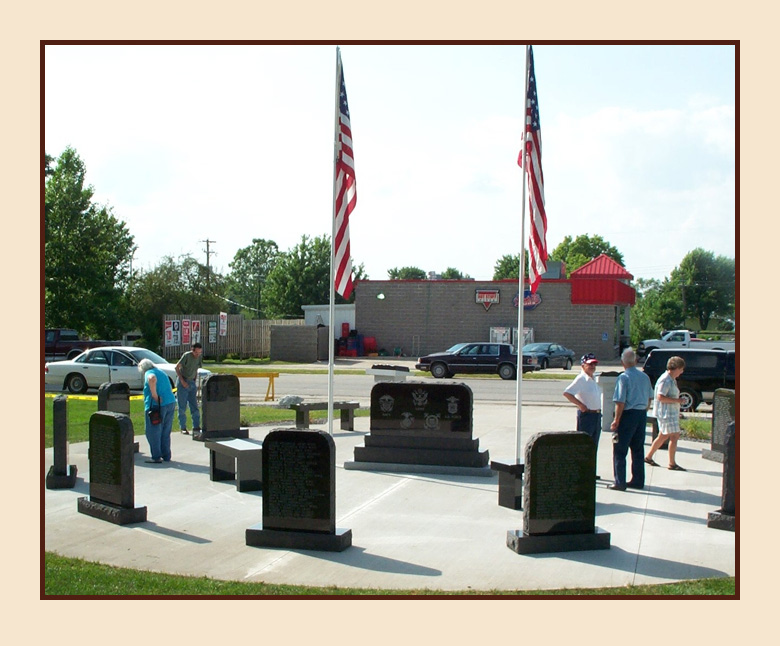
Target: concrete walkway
416,531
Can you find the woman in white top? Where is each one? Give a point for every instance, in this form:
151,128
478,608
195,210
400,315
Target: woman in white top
666,409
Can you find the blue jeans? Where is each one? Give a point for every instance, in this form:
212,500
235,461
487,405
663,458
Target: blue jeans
590,423
631,435
159,435
188,396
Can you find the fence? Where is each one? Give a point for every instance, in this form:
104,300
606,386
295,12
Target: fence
244,338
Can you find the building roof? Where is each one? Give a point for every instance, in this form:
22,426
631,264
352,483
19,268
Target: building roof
602,267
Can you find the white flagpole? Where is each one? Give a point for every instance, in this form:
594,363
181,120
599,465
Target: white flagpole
521,281
332,308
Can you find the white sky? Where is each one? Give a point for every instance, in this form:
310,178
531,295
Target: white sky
230,143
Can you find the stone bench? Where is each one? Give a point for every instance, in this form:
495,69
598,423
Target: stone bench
510,483
388,373
347,409
237,459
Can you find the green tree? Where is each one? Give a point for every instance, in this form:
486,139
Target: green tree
582,249
657,308
454,274
301,276
249,271
406,273
87,254
173,287
706,285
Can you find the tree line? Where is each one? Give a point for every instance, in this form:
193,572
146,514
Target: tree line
89,283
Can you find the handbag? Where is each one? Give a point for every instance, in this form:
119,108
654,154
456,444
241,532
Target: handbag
155,415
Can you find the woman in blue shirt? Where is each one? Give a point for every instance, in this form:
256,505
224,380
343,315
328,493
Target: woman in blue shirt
158,393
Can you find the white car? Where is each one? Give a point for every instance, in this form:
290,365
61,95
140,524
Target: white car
100,365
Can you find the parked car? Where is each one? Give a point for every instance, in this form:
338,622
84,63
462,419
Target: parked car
97,366
550,355
705,371
475,358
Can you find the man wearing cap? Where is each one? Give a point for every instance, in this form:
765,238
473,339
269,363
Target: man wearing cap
585,394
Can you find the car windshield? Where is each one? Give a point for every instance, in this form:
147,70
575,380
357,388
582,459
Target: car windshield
535,347
143,353
456,347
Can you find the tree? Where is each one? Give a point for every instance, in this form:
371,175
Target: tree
406,273
707,286
87,255
301,276
657,308
249,271
582,249
172,287
454,274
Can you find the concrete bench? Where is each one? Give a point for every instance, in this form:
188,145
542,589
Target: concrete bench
510,482
236,459
347,409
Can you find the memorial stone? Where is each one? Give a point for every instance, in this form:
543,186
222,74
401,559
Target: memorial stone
723,414
221,409
422,427
299,493
559,496
111,471
726,516
61,475
114,397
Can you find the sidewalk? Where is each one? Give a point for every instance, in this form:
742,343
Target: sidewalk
409,531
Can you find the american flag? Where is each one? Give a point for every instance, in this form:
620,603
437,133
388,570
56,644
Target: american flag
537,239
345,191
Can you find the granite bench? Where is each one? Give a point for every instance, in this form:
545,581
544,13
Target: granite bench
347,409
237,459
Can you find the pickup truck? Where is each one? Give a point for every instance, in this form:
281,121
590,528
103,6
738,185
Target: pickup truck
681,339
62,343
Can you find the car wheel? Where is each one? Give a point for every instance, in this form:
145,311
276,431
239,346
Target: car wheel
507,371
76,384
543,364
439,370
568,364
690,398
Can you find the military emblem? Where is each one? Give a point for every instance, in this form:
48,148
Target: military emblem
386,403
420,397
432,422
452,405
407,419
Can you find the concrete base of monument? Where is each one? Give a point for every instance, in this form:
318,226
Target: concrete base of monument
112,513
436,469
715,456
522,543
720,520
256,536
61,480
238,434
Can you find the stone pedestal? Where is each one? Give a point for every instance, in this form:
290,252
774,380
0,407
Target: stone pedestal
510,483
61,475
726,516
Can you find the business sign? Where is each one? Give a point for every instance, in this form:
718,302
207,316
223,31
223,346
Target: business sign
488,297
172,333
185,331
223,324
530,301
212,331
196,332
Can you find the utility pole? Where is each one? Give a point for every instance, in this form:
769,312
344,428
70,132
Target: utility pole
208,259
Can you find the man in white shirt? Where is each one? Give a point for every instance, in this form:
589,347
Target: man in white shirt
585,394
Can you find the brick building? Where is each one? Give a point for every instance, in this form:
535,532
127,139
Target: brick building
587,312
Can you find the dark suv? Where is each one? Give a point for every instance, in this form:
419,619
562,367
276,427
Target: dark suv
705,370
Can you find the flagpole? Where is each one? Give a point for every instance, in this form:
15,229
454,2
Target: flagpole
521,281
332,306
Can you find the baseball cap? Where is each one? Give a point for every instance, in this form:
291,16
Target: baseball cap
588,358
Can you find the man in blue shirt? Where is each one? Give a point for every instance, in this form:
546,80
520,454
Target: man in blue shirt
633,394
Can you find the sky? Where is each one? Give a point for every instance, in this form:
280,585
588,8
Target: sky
227,143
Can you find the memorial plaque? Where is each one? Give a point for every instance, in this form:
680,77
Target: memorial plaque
299,481
560,485
726,516
221,404
111,478
723,412
114,397
421,408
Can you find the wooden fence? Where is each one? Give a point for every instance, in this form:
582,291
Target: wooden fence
244,338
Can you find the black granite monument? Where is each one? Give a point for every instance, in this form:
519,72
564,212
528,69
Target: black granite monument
61,475
111,471
559,497
422,427
299,494
221,415
723,414
726,516
115,397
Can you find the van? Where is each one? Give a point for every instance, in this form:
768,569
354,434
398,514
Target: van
705,371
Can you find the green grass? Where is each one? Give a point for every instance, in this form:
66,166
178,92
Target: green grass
697,428
75,577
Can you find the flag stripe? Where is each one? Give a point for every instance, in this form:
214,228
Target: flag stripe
346,193
532,151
